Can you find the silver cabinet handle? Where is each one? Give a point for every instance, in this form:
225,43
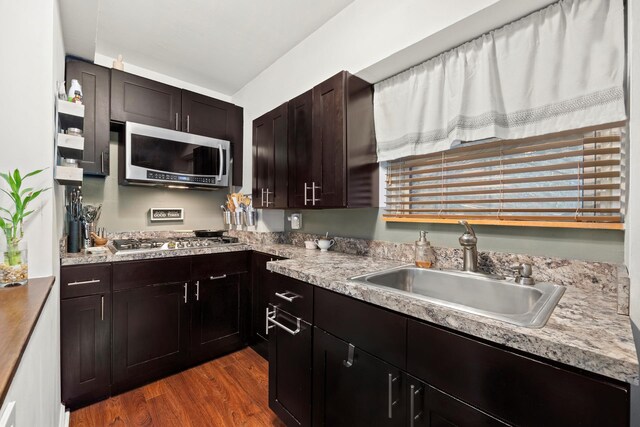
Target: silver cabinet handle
224,276
267,192
262,198
198,290
272,319
349,362
412,405
284,296
102,307
187,123
313,193
314,187
392,402
102,162
306,188
176,120
185,293
85,282
266,320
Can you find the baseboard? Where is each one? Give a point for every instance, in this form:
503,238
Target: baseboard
63,419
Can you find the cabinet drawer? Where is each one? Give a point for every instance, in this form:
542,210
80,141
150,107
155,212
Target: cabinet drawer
135,274
83,280
375,330
518,389
291,295
205,266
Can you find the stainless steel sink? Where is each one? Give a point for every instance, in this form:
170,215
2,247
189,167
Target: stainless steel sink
529,306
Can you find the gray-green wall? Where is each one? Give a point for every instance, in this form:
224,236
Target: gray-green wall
126,207
591,245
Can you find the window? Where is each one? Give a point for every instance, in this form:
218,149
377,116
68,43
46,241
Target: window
563,181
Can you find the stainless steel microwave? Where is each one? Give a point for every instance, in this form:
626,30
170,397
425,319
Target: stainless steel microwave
159,156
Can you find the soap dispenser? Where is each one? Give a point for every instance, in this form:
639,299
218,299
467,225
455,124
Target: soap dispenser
424,252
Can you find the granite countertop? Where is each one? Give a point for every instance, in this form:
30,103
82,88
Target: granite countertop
584,330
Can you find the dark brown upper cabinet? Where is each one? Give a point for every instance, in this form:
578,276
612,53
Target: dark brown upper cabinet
300,155
205,116
270,159
95,82
332,158
344,168
140,100
211,117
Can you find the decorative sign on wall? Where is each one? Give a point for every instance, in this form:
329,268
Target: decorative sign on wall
166,214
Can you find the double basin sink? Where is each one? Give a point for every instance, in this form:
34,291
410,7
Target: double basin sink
521,305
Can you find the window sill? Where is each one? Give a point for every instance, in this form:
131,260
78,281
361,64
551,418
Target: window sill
509,223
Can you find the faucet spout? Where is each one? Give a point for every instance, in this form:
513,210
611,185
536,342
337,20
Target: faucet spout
468,227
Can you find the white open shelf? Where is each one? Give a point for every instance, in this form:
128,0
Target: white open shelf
71,115
70,146
68,175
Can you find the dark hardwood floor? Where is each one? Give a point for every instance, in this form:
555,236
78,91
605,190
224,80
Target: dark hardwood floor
230,391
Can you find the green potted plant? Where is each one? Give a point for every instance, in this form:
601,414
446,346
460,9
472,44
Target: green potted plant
13,259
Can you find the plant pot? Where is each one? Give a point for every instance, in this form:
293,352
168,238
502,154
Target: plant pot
14,268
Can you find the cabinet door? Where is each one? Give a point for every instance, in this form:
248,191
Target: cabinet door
260,277
360,390
329,142
263,160
429,407
290,356
237,126
299,148
150,333
85,343
95,82
216,317
140,100
270,159
206,116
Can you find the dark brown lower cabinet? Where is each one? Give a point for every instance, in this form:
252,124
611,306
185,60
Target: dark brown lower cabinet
430,407
217,322
290,355
260,294
85,331
354,388
150,333
439,377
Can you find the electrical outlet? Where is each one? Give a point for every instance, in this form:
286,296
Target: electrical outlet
296,221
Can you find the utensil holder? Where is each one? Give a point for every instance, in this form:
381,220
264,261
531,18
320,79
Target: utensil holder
74,237
250,218
236,218
226,217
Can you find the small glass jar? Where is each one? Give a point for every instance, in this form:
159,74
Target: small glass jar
14,265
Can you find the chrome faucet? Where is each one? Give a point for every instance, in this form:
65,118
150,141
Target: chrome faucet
469,243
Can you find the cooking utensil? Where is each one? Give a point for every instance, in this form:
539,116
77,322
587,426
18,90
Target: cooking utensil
208,233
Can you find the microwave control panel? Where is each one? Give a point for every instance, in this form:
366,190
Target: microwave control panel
163,176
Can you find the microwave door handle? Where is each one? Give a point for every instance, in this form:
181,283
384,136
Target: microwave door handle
221,151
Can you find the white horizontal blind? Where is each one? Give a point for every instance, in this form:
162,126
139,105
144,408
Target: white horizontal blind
572,178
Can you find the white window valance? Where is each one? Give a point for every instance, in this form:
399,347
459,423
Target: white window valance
557,69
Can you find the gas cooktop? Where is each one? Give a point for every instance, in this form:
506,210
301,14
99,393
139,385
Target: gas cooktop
147,245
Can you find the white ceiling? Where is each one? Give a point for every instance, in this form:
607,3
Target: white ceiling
217,44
